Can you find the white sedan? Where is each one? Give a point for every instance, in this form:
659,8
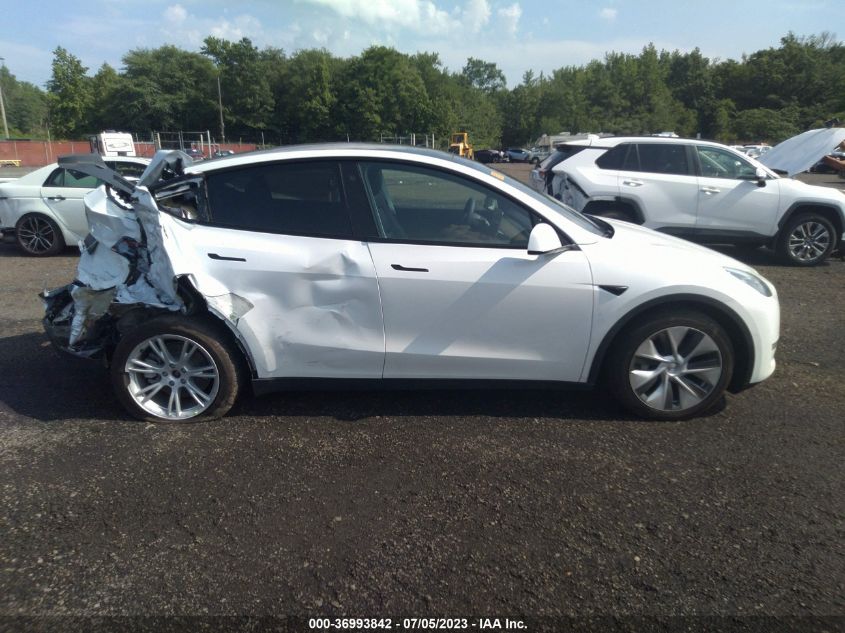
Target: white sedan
43,210
369,265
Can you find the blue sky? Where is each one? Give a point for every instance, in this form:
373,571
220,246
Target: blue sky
518,35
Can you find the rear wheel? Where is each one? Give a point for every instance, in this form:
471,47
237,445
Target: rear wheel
38,235
172,369
671,366
806,240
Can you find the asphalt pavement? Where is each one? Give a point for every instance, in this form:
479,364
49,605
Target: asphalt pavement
551,508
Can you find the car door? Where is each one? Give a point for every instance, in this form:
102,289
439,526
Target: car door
461,296
63,193
660,180
275,253
731,203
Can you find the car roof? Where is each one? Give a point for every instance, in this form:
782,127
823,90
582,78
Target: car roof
325,149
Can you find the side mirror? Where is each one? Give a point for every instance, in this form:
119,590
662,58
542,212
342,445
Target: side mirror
543,239
761,177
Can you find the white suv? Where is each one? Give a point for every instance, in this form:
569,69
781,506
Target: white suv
702,191
370,265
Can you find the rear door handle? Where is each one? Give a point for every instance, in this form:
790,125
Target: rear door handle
56,198
710,190
633,183
408,269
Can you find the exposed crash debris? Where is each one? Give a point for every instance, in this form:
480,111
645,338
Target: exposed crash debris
122,262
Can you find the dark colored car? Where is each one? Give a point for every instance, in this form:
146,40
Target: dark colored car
488,156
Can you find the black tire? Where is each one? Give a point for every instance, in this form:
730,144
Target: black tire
818,235
39,236
227,367
679,390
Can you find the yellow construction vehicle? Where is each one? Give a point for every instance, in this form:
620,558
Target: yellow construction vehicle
461,146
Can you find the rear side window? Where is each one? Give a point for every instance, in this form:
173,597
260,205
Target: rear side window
663,158
561,154
620,157
302,198
71,178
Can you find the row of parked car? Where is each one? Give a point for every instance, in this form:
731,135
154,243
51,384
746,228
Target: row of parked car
703,191
375,265
512,155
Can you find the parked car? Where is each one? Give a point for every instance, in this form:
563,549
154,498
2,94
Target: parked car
518,155
384,266
43,210
707,192
489,156
194,153
220,153
539,154
541,175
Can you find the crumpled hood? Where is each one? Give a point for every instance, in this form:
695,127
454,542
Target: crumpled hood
797,154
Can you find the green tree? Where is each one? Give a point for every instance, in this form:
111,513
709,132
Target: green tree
247,93
69,94
485,76
26,106
165,88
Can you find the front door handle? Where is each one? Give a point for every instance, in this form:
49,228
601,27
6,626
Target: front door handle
56,198
633,183
408,269
709,190
223,258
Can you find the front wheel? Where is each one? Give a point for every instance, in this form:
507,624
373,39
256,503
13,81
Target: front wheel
806,240
671,366
172,369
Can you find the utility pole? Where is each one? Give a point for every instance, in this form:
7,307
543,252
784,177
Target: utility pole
220,106
2,105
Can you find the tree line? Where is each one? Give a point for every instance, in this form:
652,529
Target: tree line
312,95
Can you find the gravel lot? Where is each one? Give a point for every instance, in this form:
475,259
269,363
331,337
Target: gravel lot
448,503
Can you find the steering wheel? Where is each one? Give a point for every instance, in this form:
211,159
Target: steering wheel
469,211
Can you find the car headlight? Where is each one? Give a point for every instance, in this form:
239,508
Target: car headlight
752,280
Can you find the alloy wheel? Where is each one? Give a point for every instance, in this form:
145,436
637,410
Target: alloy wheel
675,369
172,377
36,235
809,241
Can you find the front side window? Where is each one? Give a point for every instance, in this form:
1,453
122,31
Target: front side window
418,204
718,163
301,198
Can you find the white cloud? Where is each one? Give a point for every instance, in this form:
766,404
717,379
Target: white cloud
476,14
321,36
422,15
186,28
608,13
175,15
510,16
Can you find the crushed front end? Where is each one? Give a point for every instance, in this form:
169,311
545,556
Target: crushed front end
124,274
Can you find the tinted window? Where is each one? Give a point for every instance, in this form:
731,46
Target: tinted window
127,170
299,198
719,163
561,154
663,158
425,205
614,158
